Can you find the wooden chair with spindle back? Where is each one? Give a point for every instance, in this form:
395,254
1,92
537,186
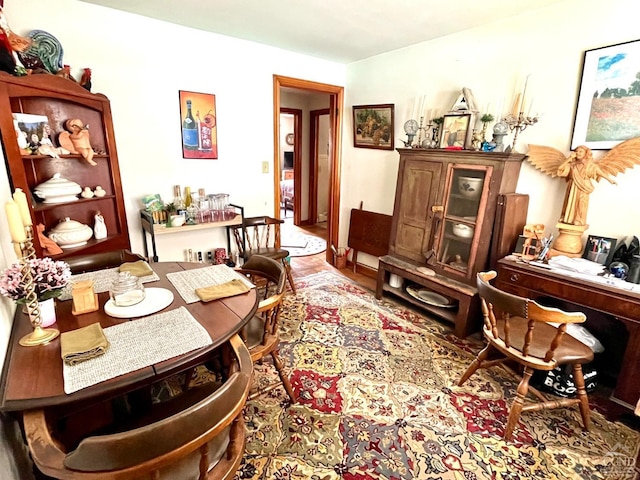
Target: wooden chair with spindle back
198,435
262,334
261,236
517,329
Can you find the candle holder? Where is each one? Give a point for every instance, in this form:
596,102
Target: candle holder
39,335
518,123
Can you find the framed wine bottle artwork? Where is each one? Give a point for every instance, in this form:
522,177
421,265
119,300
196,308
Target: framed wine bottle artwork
198,124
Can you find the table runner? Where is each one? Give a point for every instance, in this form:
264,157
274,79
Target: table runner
102,280
187,281
138,344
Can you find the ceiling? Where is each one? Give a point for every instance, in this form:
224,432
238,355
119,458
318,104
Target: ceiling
343,31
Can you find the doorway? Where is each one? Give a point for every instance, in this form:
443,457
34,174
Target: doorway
336,100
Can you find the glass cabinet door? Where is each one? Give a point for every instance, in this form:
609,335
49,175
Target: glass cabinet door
464,204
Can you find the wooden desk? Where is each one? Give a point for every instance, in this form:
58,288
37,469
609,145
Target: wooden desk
32,376
623,306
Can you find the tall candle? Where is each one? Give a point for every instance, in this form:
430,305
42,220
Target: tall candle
15,222
21,199
516,105
524,91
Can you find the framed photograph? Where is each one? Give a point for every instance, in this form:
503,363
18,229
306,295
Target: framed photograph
32,130
373,126
198,123
455,132
608,109
599,249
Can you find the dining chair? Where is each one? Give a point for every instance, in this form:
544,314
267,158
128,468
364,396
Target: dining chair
198,435
261,333
261,235
520,330
100,261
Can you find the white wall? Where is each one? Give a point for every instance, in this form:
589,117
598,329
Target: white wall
492,61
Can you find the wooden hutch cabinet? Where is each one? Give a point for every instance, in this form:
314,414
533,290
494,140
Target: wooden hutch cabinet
443,222
59,100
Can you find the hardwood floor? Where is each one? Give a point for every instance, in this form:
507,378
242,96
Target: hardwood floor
303,266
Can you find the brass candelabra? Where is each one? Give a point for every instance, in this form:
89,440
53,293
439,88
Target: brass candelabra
39,335
518,123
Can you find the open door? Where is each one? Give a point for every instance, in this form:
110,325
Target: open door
336,101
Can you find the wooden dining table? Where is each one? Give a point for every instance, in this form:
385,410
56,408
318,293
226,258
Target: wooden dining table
32,377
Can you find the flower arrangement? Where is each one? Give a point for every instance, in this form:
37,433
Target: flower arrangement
49,278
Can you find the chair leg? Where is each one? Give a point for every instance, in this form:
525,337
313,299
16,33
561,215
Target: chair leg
285,380
578,378
476,364
287,268
518,403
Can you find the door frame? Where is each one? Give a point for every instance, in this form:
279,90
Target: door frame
336,102
297,163
313,163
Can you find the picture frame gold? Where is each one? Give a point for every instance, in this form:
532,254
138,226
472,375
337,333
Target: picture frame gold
373,126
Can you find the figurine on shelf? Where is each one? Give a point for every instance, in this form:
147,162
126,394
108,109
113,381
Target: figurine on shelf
99,192
99,228
85,79
46,145
78,140
49,246
87,193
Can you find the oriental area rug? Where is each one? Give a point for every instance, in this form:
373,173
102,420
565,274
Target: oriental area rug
377,399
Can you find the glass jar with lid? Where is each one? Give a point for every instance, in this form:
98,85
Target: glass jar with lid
126,290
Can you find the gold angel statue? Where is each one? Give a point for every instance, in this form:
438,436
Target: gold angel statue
580,170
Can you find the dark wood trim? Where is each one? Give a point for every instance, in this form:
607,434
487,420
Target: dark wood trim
313,162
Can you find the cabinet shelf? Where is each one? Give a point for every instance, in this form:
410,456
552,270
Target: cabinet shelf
40,206
160,229
58,100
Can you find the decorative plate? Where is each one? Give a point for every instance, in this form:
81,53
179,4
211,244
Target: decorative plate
155,300
47,48
430,298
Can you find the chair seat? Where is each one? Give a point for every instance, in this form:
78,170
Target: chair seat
570,350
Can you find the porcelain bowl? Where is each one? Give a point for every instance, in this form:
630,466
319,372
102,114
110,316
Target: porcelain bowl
69,233
463,231
470,186
58,190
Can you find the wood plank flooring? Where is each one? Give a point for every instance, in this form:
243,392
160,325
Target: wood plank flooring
303,266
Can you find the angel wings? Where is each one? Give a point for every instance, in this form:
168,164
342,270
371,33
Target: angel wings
580,169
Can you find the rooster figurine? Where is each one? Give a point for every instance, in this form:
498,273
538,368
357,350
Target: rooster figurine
85,80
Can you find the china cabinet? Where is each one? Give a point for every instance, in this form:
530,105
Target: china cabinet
443,225
53,101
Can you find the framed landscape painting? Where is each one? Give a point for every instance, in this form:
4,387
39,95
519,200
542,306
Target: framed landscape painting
608,109
373,126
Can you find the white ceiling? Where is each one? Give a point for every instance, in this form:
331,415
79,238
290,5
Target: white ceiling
343,31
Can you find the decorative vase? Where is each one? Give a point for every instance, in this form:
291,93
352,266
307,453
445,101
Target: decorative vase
47,312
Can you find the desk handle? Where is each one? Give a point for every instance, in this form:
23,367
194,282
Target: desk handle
514,277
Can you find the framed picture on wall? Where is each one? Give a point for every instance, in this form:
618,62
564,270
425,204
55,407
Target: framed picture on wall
455,131
198,125
373,126
608,108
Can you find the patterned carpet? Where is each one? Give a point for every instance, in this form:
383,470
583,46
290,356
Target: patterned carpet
378,399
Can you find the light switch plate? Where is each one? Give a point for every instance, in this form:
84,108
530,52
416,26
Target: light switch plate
265,167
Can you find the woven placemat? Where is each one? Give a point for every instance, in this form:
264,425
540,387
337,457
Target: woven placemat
102,280
137,344
187,281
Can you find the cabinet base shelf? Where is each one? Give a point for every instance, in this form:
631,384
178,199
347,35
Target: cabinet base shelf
466,319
